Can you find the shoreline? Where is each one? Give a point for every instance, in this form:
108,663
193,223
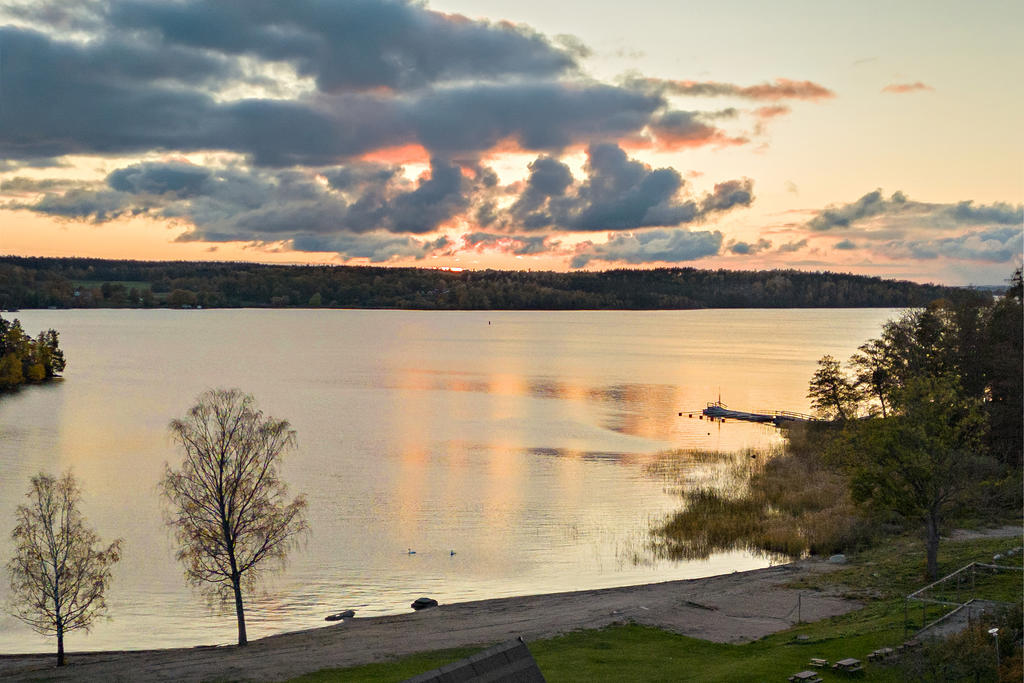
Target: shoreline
729,608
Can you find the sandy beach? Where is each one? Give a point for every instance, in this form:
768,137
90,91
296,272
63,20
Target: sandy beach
730,608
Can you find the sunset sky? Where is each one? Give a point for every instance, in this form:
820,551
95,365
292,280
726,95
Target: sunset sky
875,138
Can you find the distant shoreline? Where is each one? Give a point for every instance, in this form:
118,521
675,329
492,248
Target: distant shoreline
731,608
29,282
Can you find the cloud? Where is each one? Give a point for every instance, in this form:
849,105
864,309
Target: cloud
845,245
234,203
653,246
376,247
20,185
351,45
898,209
71,98
618,193
676,130
781,89
791,247
901,88
747,248
1000,245
7,165
518,245
771,112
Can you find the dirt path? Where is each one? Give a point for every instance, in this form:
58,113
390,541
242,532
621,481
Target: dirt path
730,608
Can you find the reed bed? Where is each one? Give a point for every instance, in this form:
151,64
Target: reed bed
781,501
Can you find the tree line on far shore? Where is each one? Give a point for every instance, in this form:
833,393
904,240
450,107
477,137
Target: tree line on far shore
97,283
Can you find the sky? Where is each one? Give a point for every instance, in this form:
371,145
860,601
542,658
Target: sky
875,138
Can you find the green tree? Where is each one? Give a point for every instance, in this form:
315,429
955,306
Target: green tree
228,507
872,367
11,374
924,461
832,394
58,575
1004,369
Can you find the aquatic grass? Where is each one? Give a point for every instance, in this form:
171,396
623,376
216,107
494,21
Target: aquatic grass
773,501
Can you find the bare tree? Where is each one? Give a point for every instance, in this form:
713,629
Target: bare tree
58,576
229,510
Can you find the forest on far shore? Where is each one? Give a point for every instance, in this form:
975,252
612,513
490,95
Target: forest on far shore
31,282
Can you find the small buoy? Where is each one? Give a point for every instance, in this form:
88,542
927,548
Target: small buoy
451,553
691,416
680,414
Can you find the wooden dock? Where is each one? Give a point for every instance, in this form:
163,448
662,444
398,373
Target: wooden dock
780,418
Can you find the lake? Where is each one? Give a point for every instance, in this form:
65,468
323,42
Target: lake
517,439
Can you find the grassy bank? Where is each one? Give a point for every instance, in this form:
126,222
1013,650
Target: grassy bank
880,577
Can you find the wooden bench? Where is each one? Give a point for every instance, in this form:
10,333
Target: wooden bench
805,677
819,663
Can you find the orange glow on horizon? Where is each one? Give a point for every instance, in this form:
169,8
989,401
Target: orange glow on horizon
399,155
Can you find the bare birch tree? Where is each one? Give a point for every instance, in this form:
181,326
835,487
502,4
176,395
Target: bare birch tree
58,575
228,507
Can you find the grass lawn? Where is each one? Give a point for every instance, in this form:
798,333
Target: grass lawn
880,577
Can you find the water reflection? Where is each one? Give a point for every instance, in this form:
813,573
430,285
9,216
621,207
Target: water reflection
643,410
521,445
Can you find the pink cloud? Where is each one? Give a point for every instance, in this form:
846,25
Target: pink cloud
900,88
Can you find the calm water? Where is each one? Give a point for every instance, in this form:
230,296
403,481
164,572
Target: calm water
517,439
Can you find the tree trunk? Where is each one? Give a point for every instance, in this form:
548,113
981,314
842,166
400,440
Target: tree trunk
60,645
933,545
236,584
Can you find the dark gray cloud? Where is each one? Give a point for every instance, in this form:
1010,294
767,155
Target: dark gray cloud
749,248
791,247
351,45
845,245
243,204
20,185
652,246
72,98
7,165
618,193
899,208
729,194
537,116
999,245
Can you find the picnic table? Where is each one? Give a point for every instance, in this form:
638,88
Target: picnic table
819,663
912,644
806,677
848,665
882,654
